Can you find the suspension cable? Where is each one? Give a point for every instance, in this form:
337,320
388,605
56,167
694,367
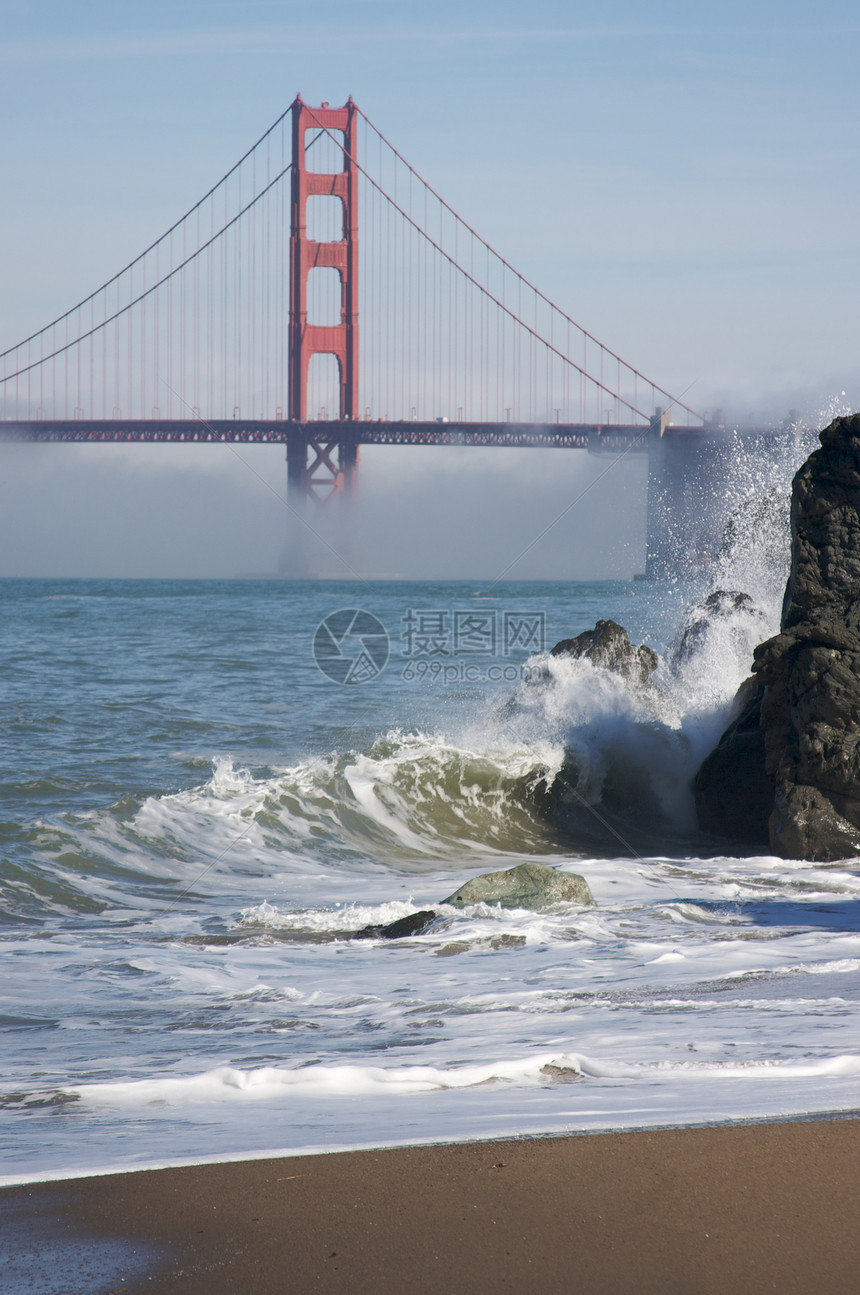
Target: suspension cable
520,276
152,246
141,296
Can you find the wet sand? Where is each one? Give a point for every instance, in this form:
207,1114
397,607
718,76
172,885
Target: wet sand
715,1211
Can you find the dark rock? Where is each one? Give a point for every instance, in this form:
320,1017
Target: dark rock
732,790
412,924
810,712
529,885
560,1074
807,676
609,646
627,816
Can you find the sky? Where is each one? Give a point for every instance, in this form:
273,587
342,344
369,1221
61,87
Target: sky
683,180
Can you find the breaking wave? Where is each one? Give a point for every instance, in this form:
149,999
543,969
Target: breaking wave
578,758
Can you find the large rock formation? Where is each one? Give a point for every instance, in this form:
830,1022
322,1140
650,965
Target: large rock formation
802,759
732,790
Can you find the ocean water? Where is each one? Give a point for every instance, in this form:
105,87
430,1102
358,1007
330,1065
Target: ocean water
195,820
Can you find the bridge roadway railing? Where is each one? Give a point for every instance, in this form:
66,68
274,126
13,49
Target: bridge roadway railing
597,438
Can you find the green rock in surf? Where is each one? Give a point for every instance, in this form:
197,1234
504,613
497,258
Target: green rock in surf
529,885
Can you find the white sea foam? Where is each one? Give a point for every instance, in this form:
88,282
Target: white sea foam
340,919
228,1084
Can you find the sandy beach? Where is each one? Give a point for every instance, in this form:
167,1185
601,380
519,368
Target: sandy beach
709,1211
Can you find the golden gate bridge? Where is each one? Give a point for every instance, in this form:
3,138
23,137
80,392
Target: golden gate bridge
323,295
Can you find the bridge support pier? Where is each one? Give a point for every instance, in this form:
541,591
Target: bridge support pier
348,461
688,497
297,460
313,472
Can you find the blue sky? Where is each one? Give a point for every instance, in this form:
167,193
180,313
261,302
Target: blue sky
682,179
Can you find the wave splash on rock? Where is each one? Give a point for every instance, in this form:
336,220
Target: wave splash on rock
792,753
635,726
690,747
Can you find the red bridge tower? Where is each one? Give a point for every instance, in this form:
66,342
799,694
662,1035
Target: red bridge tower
321,477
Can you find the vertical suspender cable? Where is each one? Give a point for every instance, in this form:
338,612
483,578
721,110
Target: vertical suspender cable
196,353
183,339
253,399
143,322
236,400
130,394
91,398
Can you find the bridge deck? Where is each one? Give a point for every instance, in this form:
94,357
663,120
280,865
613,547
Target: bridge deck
582,436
